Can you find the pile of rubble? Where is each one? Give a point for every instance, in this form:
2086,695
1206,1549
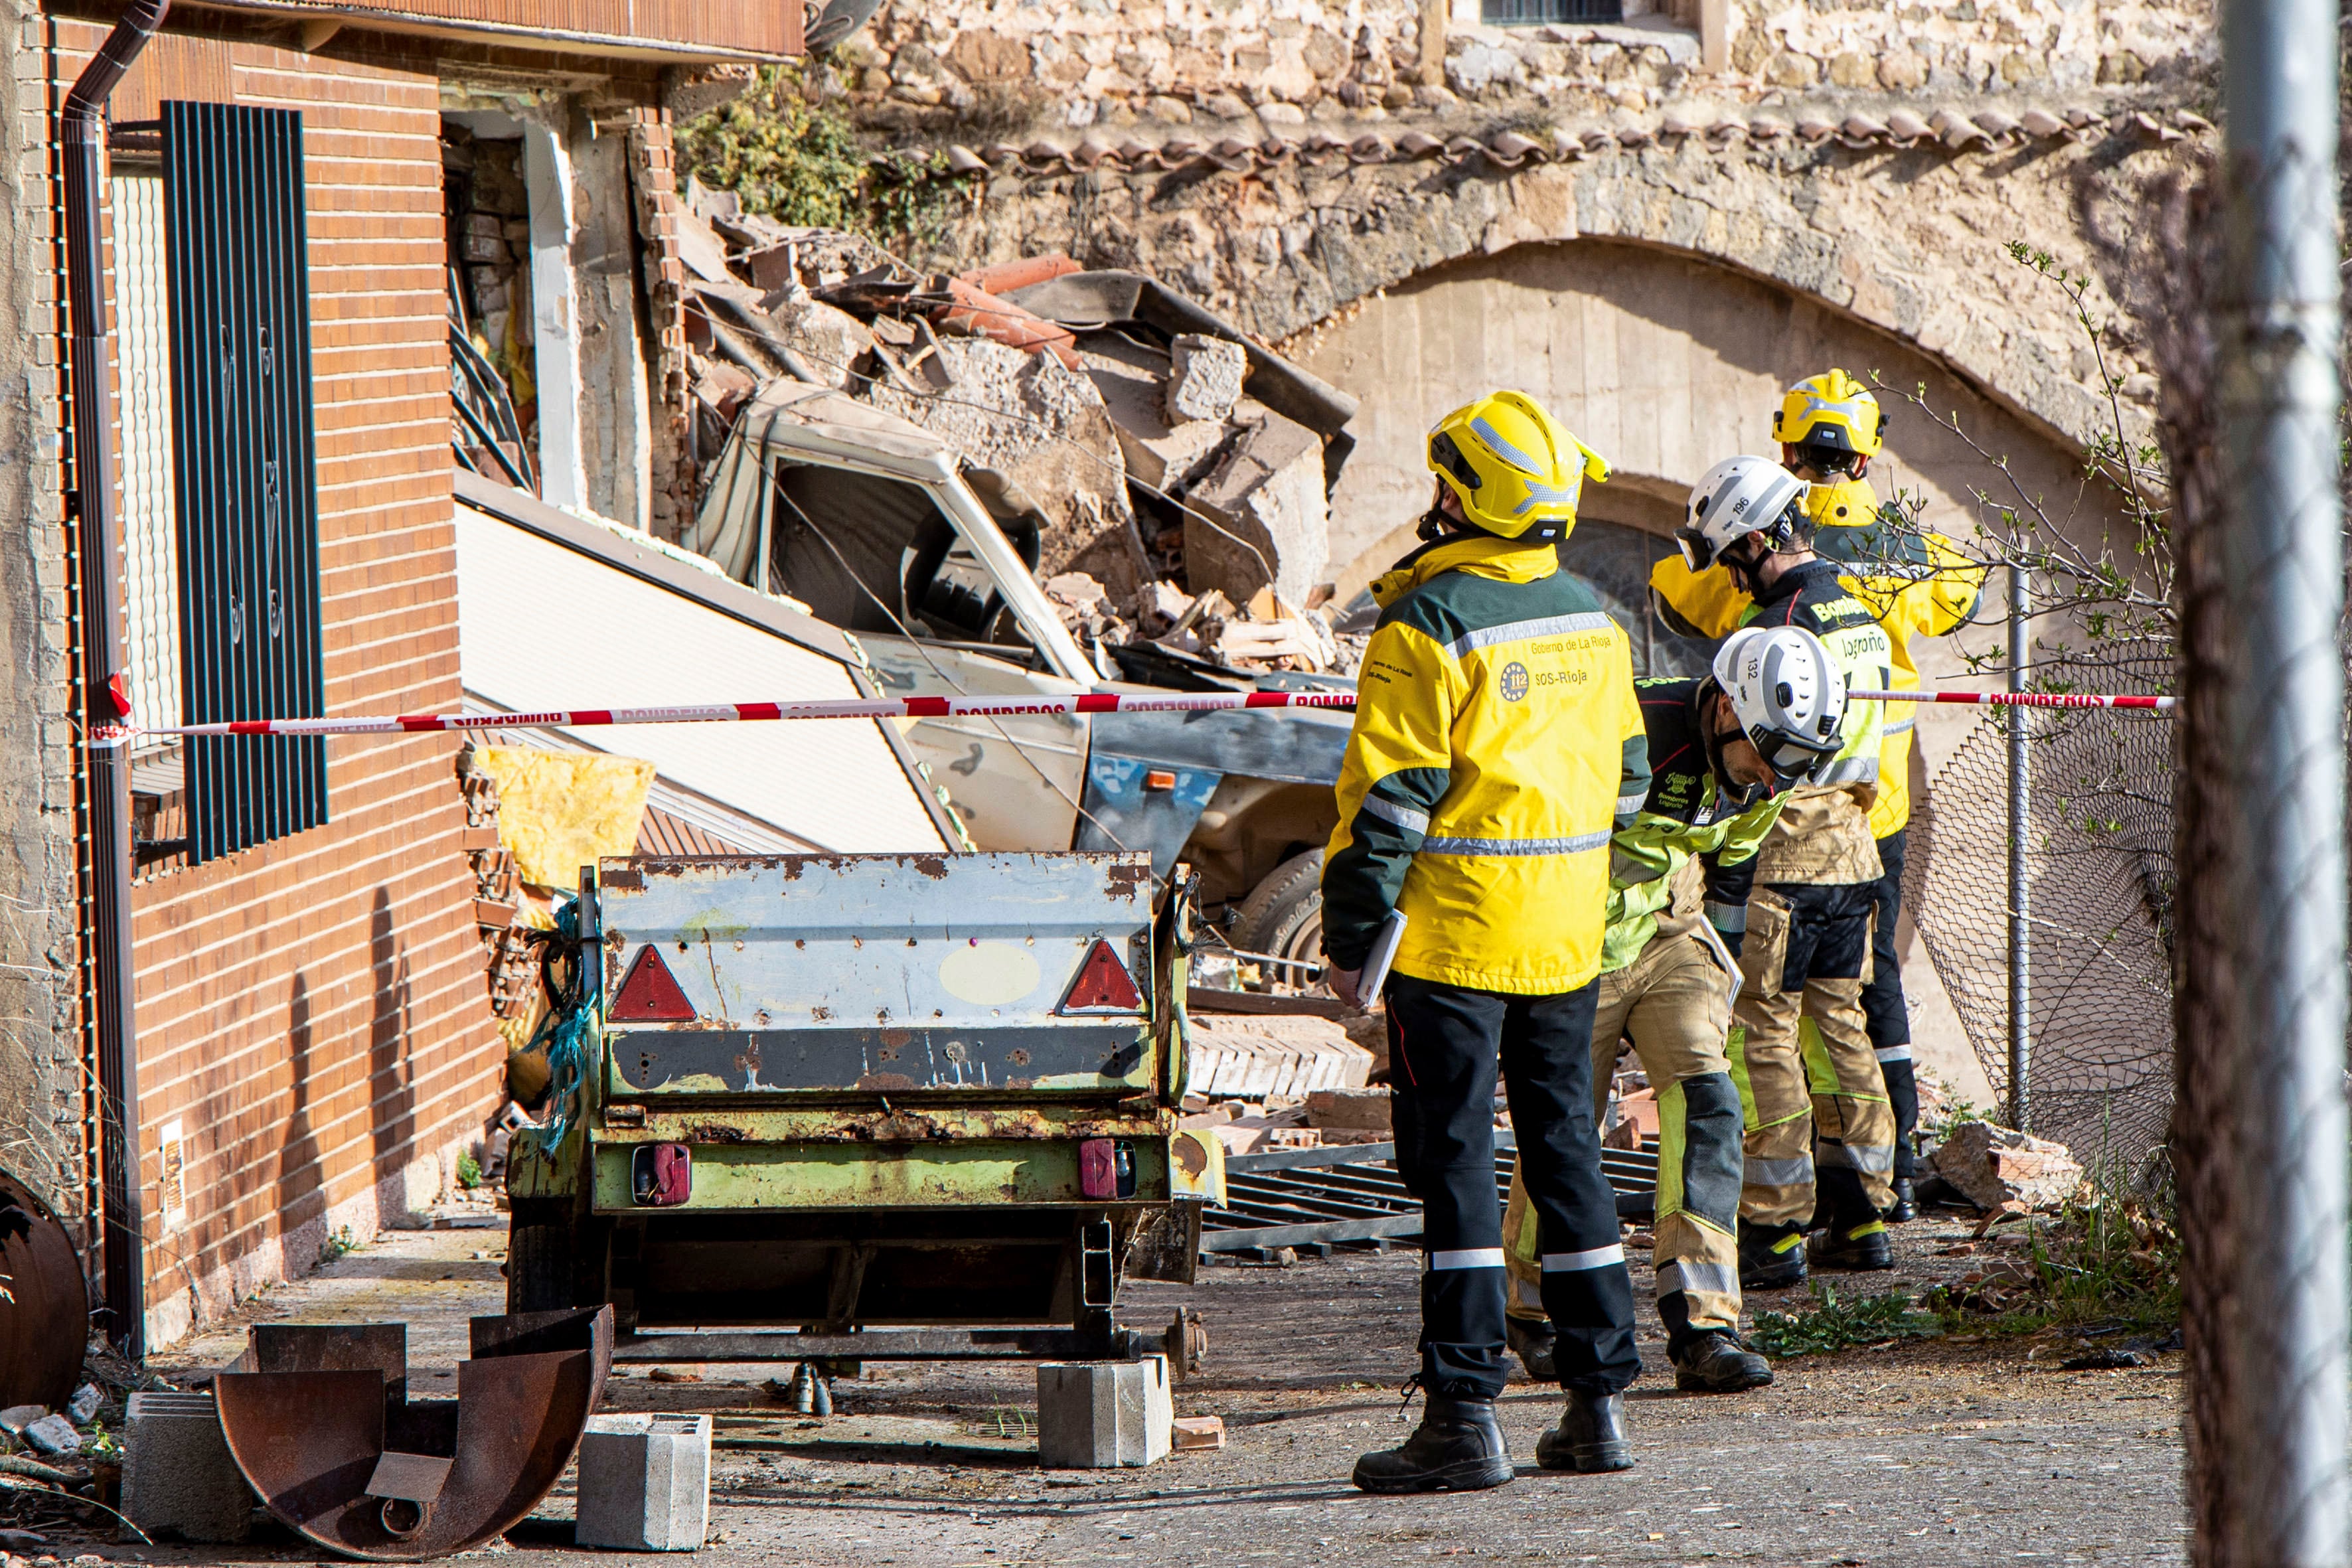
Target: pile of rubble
1183,471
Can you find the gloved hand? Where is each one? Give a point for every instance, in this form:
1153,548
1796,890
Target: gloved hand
1732,939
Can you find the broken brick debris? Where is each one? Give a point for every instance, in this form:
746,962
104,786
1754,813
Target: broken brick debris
1995,1167
1176,464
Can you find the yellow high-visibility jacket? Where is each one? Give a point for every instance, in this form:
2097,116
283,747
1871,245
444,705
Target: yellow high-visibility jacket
1915,582
1497,744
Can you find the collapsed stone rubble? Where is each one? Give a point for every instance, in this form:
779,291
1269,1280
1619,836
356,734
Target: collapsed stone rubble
1182,471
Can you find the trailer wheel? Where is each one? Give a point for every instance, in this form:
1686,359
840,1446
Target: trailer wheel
542,1260
1284,916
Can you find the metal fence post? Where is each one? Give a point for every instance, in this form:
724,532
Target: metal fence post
2020,799
2276,339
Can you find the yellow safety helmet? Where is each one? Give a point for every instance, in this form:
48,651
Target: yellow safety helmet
1832,410
1516,469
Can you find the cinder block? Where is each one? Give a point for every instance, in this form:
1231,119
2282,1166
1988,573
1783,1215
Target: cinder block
645,1482
178,1480
1094,1415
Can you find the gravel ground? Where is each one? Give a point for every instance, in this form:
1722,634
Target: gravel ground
1932,1453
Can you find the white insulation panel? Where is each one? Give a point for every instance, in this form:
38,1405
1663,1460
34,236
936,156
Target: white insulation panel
540,626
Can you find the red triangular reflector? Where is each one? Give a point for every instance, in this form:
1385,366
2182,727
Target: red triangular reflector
648,994
1103,984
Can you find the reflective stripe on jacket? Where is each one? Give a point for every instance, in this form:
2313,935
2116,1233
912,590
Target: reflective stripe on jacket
1823,834
1683,818
1497,744
1915,582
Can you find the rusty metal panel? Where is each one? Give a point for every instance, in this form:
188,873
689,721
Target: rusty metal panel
311,1423
44,1301
873,974
847,1176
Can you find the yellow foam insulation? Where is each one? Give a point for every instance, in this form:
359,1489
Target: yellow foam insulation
559,811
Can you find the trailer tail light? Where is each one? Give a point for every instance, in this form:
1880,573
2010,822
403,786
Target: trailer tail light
1103,984
1106,1169
661,1175
648,994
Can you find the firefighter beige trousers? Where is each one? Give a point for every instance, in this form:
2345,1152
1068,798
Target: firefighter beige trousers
1808,1080
1673,1001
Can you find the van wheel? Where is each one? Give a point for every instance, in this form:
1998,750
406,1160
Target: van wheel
1284,916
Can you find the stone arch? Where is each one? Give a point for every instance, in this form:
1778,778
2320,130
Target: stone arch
1666,362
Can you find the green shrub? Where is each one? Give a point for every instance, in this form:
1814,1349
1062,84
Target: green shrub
796,158
1836,1322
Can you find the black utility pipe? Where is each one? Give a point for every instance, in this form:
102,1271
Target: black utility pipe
97,539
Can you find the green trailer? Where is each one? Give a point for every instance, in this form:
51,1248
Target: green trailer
866,1106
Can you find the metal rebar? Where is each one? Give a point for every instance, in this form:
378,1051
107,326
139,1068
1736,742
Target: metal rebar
2021,801
2276,332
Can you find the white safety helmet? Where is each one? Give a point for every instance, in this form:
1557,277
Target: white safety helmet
1739,496
1788,696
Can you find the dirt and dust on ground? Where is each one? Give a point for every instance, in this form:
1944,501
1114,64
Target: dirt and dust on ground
1943,1451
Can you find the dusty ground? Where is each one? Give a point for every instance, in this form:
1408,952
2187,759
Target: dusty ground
1943,1453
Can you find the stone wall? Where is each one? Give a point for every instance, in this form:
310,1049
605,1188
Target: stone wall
1016,65
41,1076
1910,241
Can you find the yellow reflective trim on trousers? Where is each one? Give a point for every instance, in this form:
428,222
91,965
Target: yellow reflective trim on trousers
1673,1135
1821,1073
1735,1046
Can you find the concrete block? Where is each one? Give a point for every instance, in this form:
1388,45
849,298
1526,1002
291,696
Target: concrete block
1271,521
1094,1415
1205,378
178,1480
645,1482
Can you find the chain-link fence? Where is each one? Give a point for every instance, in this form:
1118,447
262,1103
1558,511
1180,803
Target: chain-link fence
2100,868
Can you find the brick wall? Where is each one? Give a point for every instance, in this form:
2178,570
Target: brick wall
312,1011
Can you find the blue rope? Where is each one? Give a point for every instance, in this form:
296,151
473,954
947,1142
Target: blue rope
565,1031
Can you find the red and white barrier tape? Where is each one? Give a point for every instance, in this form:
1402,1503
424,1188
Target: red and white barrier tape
726,712
942,708
2014,699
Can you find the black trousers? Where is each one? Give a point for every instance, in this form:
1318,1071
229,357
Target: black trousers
1444,1045
1882,1007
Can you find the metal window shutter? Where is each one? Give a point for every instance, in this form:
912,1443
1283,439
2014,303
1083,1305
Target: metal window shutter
242,449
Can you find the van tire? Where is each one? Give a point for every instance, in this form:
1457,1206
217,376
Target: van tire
1284,916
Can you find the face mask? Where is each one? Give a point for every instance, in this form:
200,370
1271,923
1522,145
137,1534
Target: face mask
1736,798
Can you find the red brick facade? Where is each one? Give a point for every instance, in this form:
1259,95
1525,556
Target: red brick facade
312,1013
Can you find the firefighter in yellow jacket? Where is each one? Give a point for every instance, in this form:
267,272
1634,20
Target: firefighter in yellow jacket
1498,745
1917,584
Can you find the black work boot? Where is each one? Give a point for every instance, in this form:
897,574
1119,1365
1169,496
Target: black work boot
1457,1448
1712,1362
1590,1437
1853,1250
1531,1341
1905,1208
1771,1257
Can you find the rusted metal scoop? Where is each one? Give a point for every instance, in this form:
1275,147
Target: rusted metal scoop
44,1301
318,1419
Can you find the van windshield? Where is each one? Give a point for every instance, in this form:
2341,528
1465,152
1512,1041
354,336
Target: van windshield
877,556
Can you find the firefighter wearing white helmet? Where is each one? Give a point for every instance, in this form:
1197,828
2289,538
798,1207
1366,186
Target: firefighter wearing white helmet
1724,749
1918,584
1814,1095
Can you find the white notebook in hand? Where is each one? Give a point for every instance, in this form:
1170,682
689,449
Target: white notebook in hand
1376,965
